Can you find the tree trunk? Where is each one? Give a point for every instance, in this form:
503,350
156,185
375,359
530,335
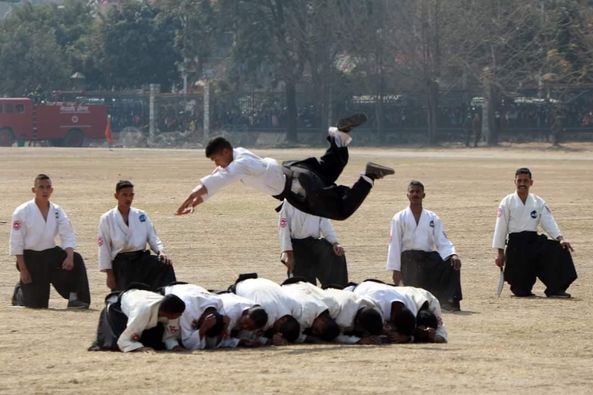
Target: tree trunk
431,109
491,105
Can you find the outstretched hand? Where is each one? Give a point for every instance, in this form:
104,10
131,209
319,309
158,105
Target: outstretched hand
187,207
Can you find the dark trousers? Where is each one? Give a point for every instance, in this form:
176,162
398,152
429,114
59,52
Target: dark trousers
45,268
112,323
427,270
141,267
318,176
530,256
315,259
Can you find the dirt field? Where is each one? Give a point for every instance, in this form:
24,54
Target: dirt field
495,345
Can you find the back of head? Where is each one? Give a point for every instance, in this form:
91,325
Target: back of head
404,321
172,304
370,320
329,329
218,327
427,319
290,329
216,145
258,315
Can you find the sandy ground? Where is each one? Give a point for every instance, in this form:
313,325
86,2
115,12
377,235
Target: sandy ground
496,344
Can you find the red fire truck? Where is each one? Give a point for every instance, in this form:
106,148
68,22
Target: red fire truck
61,123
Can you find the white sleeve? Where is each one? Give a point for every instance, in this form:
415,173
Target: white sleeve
65,230
18,232
443,244
549,223
223,177
171,334
190,337
394,252
138,321
104,245
156,245
501,229
284,225
327,230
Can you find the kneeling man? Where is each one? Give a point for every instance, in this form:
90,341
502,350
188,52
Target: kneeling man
35,225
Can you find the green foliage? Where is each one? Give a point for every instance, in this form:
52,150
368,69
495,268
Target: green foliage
137,47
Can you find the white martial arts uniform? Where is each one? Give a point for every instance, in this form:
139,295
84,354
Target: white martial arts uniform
421,296
342,305
427,235
30,231
197,299
513,216
142,308
348,304
234,306
312,304
271,296
384,295
295,224
265,175
115,236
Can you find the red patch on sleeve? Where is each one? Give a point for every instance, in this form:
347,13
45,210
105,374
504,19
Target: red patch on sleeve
100,241
499,211
135,337
283,222
16,225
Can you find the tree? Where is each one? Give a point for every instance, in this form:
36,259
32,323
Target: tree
31,59
137,46
270,36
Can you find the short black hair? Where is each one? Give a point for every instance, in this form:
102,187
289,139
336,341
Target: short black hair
404,320
523,170
290,329
216,145
172,304
329,329
427,318
415,183
41,177
121,184
258,315
218,327
370,320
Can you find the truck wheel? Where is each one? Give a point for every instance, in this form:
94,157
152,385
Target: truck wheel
74,138
6,138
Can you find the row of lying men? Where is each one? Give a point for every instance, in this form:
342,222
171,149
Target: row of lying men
257,312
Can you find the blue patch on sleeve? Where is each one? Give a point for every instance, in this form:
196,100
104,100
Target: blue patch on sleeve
142,218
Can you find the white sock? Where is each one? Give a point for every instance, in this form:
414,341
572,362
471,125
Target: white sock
340,138
73,296
367,178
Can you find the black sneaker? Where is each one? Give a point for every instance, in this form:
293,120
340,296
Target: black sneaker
346,124
376,171
77,305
